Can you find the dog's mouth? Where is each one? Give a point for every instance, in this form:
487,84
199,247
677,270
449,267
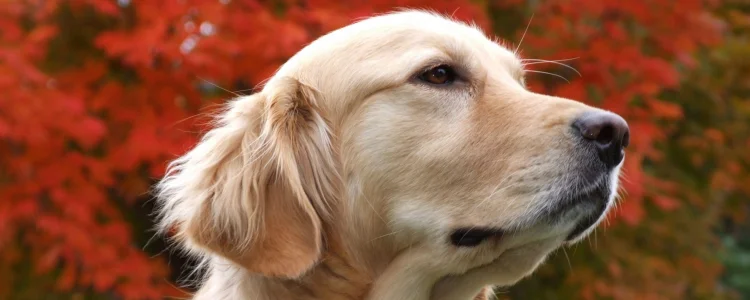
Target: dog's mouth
591,204
470,237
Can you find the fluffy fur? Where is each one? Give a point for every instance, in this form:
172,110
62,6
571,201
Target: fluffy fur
345,175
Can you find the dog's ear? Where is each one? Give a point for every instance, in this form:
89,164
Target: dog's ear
258,186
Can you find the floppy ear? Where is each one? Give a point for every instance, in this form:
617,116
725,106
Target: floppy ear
257,188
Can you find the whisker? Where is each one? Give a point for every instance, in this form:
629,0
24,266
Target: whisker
244,90
596,239
495,190
373,208
453,15
548,73
567,258
535,62
558,60
524,34
219,87
205,114
385,235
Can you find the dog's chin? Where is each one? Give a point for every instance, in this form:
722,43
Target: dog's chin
585,226
587,209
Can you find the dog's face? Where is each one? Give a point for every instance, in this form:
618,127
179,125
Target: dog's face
419,132
447,146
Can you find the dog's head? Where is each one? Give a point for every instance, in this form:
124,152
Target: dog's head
407,129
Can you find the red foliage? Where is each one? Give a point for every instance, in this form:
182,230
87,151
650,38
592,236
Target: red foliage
84,136
628,52
81,140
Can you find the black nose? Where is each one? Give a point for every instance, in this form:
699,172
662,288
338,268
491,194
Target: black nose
608,132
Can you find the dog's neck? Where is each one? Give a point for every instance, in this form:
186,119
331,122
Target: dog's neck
338,276
347,271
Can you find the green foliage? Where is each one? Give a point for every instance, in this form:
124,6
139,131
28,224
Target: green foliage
736,258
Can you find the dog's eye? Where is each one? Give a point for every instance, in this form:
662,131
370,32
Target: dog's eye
442,74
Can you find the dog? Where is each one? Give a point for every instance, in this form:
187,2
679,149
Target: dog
399,157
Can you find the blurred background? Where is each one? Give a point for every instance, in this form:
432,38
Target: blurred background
97,95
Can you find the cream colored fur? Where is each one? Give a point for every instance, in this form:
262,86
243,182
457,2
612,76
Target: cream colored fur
344,176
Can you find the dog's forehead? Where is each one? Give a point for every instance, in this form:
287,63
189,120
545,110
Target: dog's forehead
385,50
400,34
440,28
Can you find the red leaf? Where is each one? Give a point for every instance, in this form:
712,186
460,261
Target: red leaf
104,280
67,278
666,203
108,7
41,34
89,131
48,260
665,109
714,135
631,212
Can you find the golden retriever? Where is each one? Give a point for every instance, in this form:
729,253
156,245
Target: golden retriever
400,157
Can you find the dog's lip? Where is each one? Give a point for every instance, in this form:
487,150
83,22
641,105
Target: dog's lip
582,226
597,194
473,236
590,204
598,198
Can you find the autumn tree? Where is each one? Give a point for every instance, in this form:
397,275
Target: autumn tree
685,165
98,95
716,131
